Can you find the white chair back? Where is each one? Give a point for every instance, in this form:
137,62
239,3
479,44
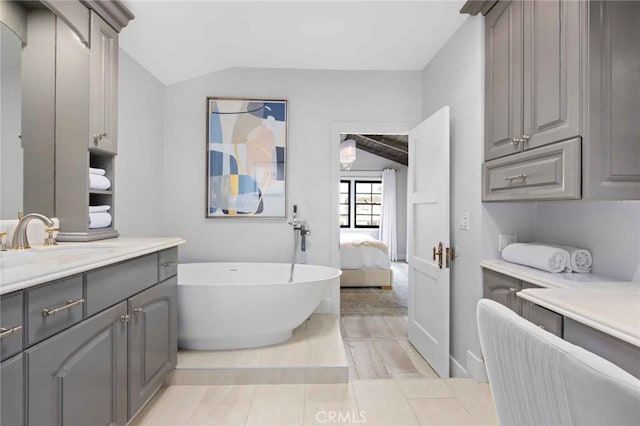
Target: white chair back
537,378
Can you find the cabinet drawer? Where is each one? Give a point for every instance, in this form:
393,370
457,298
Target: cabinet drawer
112,284
167,263
53,308
502,289
550,172
544,318
11,323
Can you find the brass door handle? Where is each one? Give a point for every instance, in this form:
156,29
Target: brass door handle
438,253
449,256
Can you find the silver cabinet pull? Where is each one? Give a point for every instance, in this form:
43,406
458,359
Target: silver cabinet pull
516,177
6,332
515,141
524,138
138,311
97,138
124,318
70,304
513,290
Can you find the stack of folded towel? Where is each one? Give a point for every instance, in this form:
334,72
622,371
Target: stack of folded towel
97,179
549,257
99,217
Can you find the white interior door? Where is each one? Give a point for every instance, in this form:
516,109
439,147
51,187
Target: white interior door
428,224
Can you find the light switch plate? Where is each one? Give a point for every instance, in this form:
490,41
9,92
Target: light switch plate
463,220
506,239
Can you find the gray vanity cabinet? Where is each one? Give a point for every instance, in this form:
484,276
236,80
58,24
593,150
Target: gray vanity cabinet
12,391
103,86
504,73
153,340
79,377
502,289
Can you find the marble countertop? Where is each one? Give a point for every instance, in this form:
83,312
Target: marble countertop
42,264
603,303
614,311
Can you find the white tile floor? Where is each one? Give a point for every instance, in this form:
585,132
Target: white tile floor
367,402
315,354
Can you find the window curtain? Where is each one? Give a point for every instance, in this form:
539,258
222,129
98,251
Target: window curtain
387,232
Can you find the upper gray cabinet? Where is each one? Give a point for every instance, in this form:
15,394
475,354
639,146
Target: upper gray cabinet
612,156
103,86
551,72
560,70
504,74
532,75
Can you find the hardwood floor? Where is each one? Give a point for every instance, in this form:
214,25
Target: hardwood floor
378,348
374,331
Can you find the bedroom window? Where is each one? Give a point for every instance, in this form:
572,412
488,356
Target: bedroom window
345,204
368,197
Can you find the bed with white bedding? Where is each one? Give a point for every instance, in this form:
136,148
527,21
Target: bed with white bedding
364,262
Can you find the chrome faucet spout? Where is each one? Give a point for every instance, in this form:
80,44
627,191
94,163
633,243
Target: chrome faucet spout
20,240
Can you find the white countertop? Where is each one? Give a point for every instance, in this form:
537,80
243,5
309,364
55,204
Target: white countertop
603,303
614,311
51,263
548,279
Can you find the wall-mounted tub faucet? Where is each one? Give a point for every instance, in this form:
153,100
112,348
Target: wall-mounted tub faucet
299,229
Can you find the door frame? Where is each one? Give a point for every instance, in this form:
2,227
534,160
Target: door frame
338,128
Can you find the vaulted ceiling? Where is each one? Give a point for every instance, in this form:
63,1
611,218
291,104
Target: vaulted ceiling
391,147
179,40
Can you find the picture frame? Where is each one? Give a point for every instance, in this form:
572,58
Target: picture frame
246,148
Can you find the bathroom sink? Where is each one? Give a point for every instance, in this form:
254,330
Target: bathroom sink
15,258
73,249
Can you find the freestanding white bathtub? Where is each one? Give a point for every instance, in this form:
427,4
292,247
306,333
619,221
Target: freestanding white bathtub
244,305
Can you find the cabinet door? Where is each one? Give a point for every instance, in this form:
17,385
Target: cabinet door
504,74
79,376
612,154
104,86
502,289
552,77
153,340
12,391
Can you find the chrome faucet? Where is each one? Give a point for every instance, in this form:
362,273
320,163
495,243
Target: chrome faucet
20,240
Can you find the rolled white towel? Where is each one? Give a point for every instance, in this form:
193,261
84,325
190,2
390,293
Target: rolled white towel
99,182
99,209
550,259
96,171
99,220
580,260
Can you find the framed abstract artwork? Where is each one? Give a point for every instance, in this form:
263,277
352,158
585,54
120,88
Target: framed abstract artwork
246,158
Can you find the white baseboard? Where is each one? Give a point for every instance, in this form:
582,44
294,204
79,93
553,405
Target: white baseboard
456,369
476,368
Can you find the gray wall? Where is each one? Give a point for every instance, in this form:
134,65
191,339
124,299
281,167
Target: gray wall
610,230
316,100
140,161
367,161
